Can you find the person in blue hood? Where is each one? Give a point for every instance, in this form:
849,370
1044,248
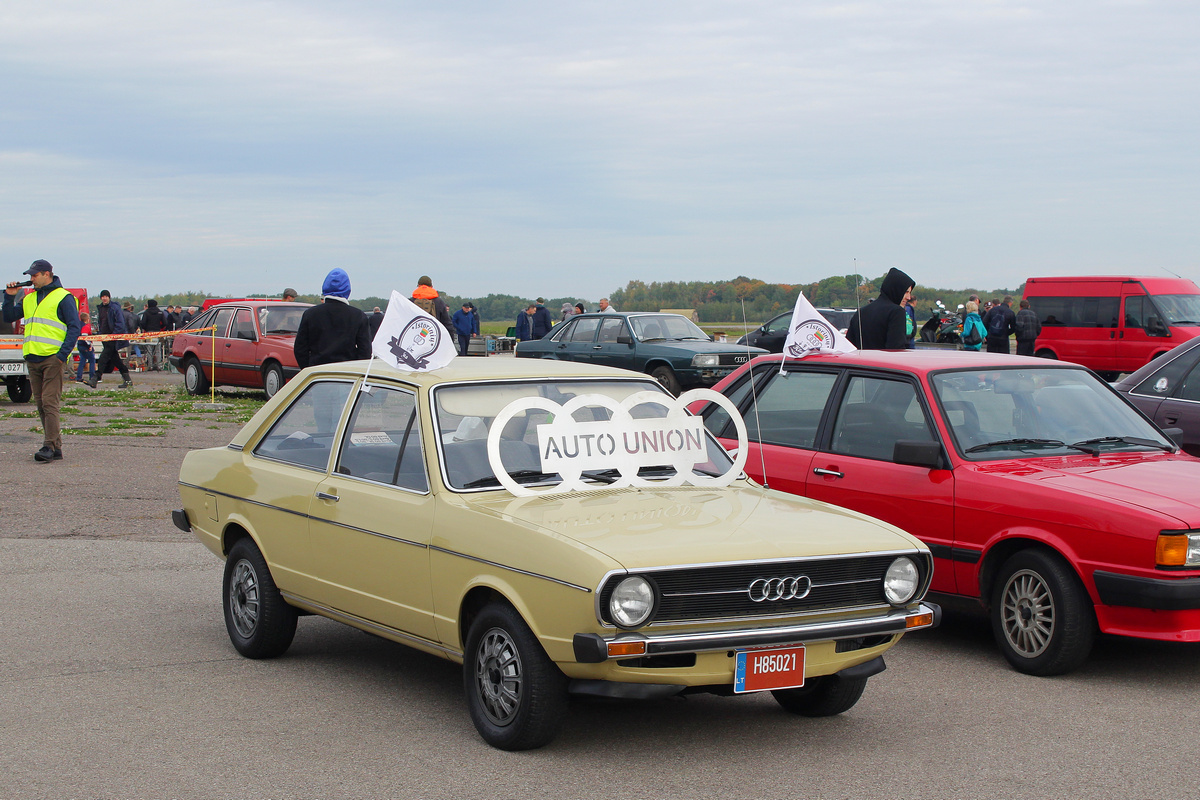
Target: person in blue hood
334,330
880,325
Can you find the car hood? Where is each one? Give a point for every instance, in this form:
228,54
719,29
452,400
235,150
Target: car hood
655,527
697,346
1163,483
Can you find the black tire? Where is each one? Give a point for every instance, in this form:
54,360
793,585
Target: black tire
1044,353
666,376
193,377
826,696
272,379
1109,376
260,623
19,389
1042,617
516,695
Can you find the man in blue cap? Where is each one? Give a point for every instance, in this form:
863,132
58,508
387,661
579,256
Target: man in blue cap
334,330
52,326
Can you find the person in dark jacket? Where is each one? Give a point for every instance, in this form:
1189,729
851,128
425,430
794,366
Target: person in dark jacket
880,325
1028,328
525,324
467,326
334,330
541,319
1001,323
110,319
374,321
153,321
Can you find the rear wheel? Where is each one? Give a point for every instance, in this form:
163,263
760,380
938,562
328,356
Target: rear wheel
1109,375
821,697
260,623
193,377
272,379
1044,353
516,695
1042,617
19,389
666,376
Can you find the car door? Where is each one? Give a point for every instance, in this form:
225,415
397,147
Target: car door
238,364
372,516
222,320
607,350
854,468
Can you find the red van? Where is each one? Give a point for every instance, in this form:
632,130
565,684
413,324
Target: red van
1112,324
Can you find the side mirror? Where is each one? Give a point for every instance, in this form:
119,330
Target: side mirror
918,453
624,338
1175,435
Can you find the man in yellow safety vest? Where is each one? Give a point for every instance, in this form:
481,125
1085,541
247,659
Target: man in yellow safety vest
51,328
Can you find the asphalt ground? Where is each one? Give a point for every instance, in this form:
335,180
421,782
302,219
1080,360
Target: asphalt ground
117,680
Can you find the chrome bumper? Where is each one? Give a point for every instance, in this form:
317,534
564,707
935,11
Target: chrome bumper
592,648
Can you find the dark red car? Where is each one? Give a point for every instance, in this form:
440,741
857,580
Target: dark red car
252,348
1041,492
1167,390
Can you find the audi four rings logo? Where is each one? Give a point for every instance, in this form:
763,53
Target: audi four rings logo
769,589
740,359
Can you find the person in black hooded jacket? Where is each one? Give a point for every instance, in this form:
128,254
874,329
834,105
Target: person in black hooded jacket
880,325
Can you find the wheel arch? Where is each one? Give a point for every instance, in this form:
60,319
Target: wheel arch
1003,549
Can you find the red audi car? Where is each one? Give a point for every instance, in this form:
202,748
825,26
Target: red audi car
1042,493
252,348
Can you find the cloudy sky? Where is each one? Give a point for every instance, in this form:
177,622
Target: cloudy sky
568,148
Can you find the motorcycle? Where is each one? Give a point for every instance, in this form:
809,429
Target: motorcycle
944,326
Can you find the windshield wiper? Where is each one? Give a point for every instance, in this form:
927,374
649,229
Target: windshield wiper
1027,442
1134,440
518,475
602,475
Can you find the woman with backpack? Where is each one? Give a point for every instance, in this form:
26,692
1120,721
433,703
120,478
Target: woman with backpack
974,333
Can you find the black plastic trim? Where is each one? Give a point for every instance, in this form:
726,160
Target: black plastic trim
180,518
1165,595
864,670
624,691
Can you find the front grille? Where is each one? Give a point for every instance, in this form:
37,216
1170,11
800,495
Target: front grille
734,359
722,592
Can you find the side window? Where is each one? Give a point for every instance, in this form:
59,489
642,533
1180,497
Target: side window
222,319
303,435
1134,313
585,330
201,321
1190,390
243,325
780,325
562,333
382,442
610,329
875,414
1163,382
716,419
790,408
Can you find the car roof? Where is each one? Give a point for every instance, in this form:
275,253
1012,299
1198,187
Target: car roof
482,369
921,360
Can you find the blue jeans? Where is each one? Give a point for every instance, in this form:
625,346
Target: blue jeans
86,354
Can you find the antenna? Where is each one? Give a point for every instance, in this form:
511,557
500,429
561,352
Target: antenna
1173,272
762,459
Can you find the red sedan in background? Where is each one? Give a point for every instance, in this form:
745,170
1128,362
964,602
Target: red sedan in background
1039,489
252,348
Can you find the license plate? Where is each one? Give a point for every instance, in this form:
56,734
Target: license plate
12,368
759,670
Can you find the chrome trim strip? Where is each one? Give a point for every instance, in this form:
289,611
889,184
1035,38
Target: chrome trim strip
894,622
498,565
342,616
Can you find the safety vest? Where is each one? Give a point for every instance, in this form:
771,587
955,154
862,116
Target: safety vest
44,331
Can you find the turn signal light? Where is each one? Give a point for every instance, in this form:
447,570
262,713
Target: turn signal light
626,648
918,621
1171,551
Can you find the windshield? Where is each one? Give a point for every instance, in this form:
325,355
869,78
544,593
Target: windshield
280,319
1179,309
465,414
995,414
648,327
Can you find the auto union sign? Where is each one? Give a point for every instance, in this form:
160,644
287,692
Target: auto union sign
623,443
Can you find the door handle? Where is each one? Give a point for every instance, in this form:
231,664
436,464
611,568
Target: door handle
830,472
596,346
326,496
1172,420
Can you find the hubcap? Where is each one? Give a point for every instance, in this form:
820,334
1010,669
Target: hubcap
243,598
1027,613
193,377
498,676
273,383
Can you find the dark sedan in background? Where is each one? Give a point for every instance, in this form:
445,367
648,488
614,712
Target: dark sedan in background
772,333
1167,390
669,347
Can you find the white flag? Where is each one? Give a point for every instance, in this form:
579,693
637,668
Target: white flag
410,339
812,333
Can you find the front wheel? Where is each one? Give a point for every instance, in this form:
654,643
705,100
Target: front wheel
516,695
193,377
1044,353
826,696
260,623
1042,617
666,376
272,379
19,389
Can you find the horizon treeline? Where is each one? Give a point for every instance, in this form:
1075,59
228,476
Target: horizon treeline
714,301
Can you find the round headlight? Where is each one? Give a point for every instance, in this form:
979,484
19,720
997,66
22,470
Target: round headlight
901,581
631,602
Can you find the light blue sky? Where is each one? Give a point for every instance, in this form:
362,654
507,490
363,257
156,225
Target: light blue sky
567,148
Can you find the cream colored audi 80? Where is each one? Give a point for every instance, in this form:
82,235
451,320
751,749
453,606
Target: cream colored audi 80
558,529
